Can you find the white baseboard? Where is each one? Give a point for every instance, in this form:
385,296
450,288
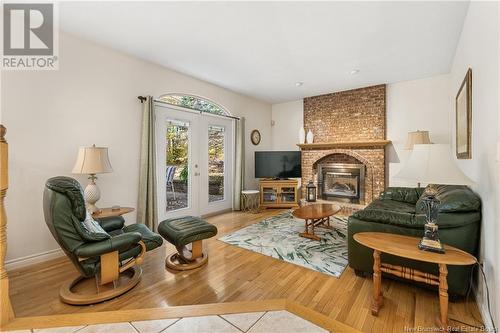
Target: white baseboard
483,310
482,304
33,259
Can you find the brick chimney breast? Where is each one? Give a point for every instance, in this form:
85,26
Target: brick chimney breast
357,115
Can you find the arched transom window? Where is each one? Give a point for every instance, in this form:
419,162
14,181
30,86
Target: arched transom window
195,103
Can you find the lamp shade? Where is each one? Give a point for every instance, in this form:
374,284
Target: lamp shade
92,160
417,138
432,164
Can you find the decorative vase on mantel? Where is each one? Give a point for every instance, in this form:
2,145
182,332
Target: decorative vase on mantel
310,137
302,135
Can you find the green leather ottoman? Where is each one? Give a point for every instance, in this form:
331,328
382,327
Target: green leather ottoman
181,232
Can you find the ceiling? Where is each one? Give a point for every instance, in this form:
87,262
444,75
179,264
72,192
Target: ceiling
262,49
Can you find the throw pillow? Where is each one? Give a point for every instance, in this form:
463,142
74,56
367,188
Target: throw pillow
91,230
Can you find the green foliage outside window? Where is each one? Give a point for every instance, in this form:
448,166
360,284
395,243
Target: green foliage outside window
177,144
177,139
192,102
183,176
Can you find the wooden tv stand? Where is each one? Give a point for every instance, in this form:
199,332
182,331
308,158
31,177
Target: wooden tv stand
279,193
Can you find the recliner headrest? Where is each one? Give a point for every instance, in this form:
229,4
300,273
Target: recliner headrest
72,190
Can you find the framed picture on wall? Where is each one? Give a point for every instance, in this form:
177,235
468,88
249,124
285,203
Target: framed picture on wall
463,109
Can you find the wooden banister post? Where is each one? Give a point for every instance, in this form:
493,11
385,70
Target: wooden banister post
6,312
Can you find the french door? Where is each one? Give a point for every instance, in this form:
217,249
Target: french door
194,153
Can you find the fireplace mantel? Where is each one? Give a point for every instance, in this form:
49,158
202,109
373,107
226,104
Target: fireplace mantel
353,144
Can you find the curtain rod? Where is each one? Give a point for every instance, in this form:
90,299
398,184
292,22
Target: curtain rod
143,99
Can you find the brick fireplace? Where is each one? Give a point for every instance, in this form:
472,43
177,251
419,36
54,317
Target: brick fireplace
347,159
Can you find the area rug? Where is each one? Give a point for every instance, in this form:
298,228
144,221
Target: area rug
278,237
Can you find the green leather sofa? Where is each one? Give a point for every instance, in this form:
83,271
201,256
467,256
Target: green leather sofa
399,210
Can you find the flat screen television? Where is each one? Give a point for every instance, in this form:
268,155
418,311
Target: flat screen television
277,164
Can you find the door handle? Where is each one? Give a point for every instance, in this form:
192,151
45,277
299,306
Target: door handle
196,173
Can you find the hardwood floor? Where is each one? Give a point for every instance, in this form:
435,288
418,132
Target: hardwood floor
235,274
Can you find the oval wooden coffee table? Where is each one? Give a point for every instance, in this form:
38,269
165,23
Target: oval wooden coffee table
316,215
407,247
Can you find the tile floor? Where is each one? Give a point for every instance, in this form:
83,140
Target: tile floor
253,322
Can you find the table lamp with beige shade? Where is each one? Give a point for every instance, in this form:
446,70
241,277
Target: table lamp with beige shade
92,161
432,164
416,138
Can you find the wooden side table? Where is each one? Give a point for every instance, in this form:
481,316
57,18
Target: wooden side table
406,247
107,212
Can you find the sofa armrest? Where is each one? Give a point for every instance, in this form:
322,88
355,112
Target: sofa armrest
111,223
118,243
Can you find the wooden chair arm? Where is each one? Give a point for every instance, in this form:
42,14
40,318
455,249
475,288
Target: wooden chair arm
110,265
137,260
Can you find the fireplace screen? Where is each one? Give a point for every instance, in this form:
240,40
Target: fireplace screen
341,182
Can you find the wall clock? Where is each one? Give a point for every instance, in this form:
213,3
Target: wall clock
255,137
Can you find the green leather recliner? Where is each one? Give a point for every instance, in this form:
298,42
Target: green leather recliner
399,210
106,249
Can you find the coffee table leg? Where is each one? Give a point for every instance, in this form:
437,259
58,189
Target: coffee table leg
443,296
309,230
377,284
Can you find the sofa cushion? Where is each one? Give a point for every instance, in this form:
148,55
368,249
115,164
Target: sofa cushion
392,205
388,217
453,220
391,212
402,194
453,198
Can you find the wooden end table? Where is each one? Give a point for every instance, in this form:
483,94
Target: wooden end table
406,247
107,212
315,215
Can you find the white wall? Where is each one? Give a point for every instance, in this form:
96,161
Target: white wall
429,104
411,105
92,98
288,118
478,49
415,105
